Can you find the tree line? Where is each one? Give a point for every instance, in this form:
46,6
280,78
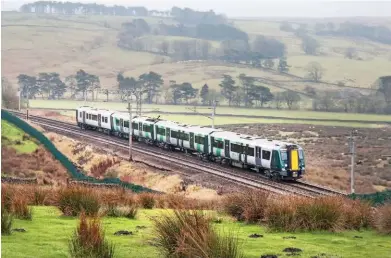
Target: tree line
185,16
234,45
380,34
242,91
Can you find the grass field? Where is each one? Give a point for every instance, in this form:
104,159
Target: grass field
54,43
12,136
48,232
279,114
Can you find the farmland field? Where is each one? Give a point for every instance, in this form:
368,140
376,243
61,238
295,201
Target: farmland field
47,234
64,44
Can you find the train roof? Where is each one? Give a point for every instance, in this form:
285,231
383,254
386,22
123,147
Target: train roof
251,139
93,109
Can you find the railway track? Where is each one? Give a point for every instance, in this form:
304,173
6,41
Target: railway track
238,176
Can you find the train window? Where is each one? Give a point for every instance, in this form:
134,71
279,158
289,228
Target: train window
218,144
146,128
199,139
161,131
284,156
266,155
106,119
80,114
301,154
87,116
126,124
135,126
250,151
116,122
95,117
185,136
236,148
174,134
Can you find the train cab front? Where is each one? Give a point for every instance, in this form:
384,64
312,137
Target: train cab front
293,159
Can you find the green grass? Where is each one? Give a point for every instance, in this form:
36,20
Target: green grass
48,232
11,134
297,114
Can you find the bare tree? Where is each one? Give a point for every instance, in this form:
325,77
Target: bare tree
9,94
164,47
278,99
291,98
310,45
315,71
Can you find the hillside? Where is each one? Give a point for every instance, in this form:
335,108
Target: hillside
34,43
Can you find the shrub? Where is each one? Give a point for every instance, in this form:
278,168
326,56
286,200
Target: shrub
146,200
190,234
254,206
40,196
20,208
6,222
324,213
249,206
73,200
357,214
383,219
280,215
129,212
89,240
232,205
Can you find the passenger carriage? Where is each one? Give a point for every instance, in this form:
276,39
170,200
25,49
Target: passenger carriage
92,118
235,148
276,159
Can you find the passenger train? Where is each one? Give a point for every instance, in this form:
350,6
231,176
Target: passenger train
276,159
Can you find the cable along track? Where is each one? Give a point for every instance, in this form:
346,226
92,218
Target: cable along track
236,175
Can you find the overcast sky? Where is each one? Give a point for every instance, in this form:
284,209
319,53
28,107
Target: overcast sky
255,8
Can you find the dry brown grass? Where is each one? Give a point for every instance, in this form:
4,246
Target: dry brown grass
40,164
99,170
383,219
15,203
190,234
295,214
91,159
89,239
249,206
74,200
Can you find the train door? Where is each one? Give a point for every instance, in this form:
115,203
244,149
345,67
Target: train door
84,117
266,158
258,156
181,137
151,130
191,140
212,140
99,120
226,149
112,122
140,129
206,144
168,135
244,157
121,125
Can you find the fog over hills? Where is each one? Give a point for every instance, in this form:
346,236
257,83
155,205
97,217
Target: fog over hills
254,8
